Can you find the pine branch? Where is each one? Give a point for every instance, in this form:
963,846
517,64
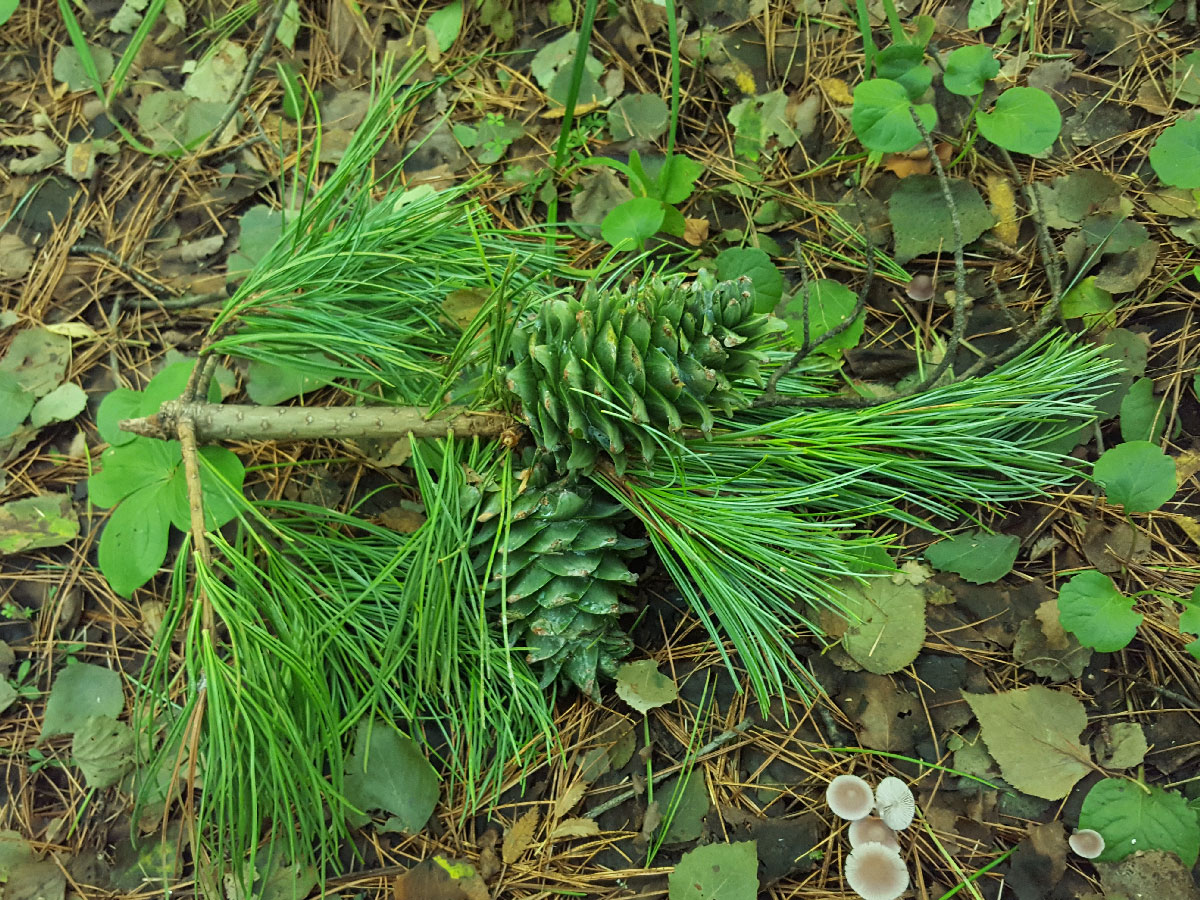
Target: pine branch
215,422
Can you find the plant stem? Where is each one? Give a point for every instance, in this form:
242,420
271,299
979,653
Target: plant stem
214,422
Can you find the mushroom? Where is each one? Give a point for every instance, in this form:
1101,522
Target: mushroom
876,872
920,288
850,797
872,830
894,803
1087,843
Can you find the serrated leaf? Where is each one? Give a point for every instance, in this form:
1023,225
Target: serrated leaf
575,828
388,772
643,687
716,872
829,304
1033,734
1175,156
1132,817
979,558
886,625
882,119
103,749
1137,475
758,120
1024,120
969,69
1099,615
921,220
80,691
755,264
1125,747
48,520
519,836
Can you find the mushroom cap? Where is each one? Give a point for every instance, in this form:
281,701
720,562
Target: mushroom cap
872,830
876,872
850,797
1087,843
894,803
921,287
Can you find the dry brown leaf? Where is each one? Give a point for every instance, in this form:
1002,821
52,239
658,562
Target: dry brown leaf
1048,618
570,799
439,878
575,828
695,231
1003,200
915,162
519,837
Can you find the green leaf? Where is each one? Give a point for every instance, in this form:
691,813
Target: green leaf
676,179
289,25
1024,120
295,97
7,8
1089,302
882,119
1132,817
643,687
716,872
47,520
979,558
80,691
269,385
388,772
886,625
131,467
1175,156
1099,615
38,359
15,403
630,225
969,69
103,750
1033,733
68,67
217,74
902,63
1123,747
119,404
62,404
261,227
921,220
830,303
683,807
1189,622
1137,475
983,13
445,24
642,116
758,120
134,543
1142,416
755,264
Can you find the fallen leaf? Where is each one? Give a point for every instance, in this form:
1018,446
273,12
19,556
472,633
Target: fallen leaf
1122,746
887,625
1003,201
48,153
570,799
1187,464
46,521
717,872
575,828
519,837
643,687
16,259
695,231
440,878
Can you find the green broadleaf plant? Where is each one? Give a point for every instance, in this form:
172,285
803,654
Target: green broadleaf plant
653,208
1132,816
1137,475
1175,156
979,558
144,480
1099,615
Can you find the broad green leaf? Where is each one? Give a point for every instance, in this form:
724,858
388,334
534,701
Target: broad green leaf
643,687
15,403
767,280
1089,302
1099,615
902,63
62,404
969,69
295,98
68,67
689,804
979,558
388,772
983,13
830,303
716,872
289,25
216,77
80,691
1033,733
103,750
7,8
921,220
132,467
676,178
261,227
446,23
1132,817
170,383
1024,120
268,384
642,116
630,225
47,520
119,404
1137,475
134,543
1175,156
38,359
1143,417
14,850
886,625
882,119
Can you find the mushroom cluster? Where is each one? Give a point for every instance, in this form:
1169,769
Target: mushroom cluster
874,868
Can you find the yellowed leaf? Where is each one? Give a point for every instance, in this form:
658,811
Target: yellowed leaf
695,231
570,799
575,828
1003,200
1187,464
77,330
1047,616
519,837
837,91
1189,526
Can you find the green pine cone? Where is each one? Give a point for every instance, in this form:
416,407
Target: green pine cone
562,579
609,372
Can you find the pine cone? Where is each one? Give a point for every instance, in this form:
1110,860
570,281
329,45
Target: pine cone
562,579
610,372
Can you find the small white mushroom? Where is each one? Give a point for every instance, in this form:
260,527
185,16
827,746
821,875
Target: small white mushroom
876,872
894,803
920,288
850,797
872,830
1087,843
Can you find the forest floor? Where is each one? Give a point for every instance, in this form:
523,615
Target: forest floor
114,260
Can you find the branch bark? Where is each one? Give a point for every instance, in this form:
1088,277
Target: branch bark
213,422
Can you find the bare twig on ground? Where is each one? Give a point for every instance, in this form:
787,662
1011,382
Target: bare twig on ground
160,298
